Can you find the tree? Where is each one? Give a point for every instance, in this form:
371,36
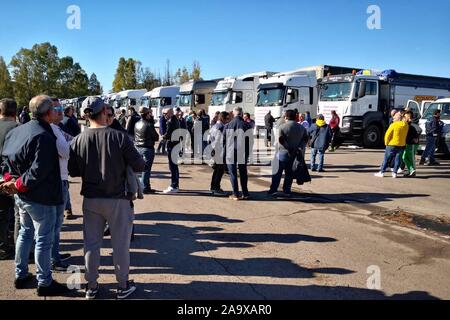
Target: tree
6,85
95,87
130,75
196,71
119,79
182,76
39,70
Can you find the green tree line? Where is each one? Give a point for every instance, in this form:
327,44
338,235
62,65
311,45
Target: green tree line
40,70
130,74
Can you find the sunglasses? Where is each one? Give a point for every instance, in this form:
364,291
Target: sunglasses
58,109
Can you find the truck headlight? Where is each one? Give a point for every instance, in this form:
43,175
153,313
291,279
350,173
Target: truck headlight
345,123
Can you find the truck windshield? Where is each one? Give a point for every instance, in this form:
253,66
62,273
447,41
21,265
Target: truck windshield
270,97
219,98
335,91
144,102
155,102
185,100
444,107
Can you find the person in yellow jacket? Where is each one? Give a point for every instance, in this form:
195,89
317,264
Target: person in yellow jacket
395,141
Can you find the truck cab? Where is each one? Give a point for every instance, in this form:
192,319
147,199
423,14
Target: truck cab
444,142
196,95
235,92
286,91
129,98
364,100
159,99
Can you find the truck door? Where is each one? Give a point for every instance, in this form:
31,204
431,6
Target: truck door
368,103
415,108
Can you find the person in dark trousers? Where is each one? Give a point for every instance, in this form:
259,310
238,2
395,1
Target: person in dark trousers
269,120
104,192
334,127
162,131
217,144
70,122
132,120
145,137
205,119
291,140
237,151
172,125
308,118
434,128
24,116
8,112
320,138
34,177
412,144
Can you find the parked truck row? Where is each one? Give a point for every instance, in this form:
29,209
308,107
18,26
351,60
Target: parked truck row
362,98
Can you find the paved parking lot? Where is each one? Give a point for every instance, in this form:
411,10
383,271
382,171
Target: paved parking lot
326,242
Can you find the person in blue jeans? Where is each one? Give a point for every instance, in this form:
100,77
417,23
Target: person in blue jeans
32,160
434,128
292,139
145,137
320,138
238,135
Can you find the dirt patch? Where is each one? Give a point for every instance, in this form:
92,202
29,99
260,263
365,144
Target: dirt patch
438,225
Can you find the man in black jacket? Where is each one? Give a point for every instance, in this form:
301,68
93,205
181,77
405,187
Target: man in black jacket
172,125
133,119
34,177
434,128
145,137
70,122
269,120
100,156
238,136
8,111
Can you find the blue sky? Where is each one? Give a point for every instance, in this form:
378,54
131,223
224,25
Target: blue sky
230,37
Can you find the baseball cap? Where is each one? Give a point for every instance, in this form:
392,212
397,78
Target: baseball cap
93,104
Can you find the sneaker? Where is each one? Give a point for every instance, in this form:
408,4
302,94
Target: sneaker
394,175
313,169
123,293
234,197
412,174
60,267
69,215
245,197
54,289
171,190
64,257
91,293
22,282
400,171
379,174
219,193
272,194
149,191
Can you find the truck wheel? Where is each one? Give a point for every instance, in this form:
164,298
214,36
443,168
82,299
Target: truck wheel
372,137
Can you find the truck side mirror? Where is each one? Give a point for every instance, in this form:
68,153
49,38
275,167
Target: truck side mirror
362,89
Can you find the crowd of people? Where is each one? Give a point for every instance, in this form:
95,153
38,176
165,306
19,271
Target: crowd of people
114,158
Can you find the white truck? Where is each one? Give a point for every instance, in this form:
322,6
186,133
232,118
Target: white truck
129,98
295,89
160,98
196,95
239,91
286,91
444,106
363,100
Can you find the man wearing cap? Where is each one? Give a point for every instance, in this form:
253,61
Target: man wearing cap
34,177
100,156
145,137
